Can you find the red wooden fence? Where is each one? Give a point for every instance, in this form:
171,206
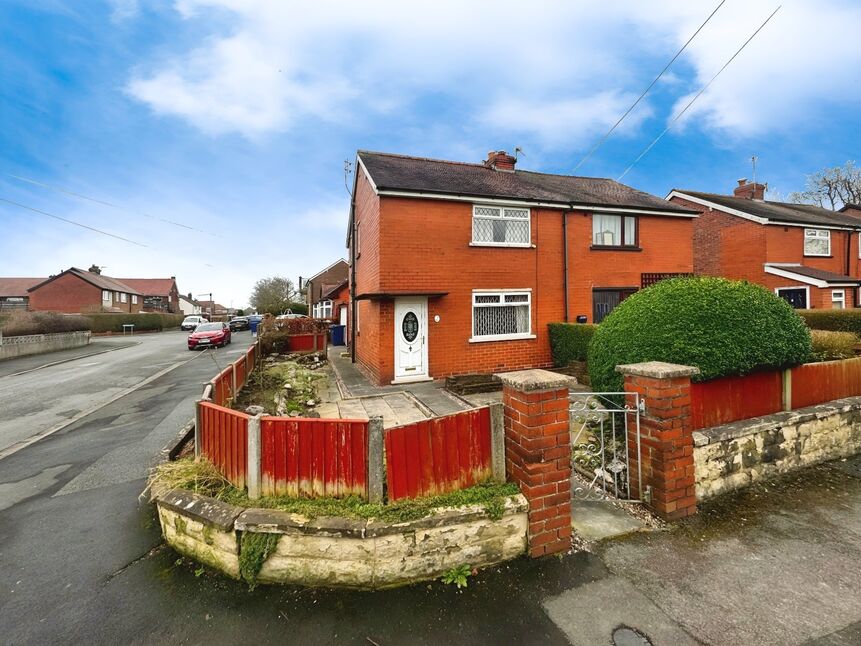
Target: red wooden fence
307,342
313,457
438,455
224,440
815,383
729,399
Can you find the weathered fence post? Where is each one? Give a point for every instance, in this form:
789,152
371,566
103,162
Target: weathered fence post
497,442
253,476
198,418
538,453
376,464
233,380
787,389
666,433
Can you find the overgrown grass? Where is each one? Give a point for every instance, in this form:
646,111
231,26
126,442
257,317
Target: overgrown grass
204,478
254,549
829,346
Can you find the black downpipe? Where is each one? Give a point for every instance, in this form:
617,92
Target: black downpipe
353,303
565,261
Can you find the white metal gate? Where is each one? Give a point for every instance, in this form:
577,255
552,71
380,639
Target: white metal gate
605,441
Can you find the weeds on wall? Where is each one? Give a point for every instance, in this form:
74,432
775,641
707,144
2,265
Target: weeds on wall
254,549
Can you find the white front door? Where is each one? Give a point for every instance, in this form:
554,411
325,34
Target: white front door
411,354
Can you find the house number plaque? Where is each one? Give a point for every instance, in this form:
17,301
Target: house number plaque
410,327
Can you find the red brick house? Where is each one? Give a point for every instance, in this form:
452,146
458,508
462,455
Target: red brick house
459,267
159,294
807,254
80,291
339,296
317,288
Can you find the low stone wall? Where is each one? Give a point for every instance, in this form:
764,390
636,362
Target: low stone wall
19,346
338,552
736,455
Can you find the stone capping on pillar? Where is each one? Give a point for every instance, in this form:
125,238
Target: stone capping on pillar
657,370
666,436
538,453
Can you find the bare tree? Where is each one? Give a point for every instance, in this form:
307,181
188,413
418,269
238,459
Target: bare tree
831,188
273,295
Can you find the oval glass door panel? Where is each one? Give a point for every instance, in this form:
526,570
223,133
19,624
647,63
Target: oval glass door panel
410,327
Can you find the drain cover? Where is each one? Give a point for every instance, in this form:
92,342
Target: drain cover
624,636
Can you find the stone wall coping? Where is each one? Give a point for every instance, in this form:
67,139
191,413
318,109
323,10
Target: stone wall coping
535,379
274,521
208,511
753,426
657,370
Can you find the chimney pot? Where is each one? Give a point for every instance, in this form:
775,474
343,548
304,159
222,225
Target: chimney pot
742,181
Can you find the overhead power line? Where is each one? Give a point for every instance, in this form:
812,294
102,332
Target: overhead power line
81,196
646,91
698,94
77,224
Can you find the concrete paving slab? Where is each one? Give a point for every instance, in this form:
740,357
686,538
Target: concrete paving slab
596,520
351,409
588,615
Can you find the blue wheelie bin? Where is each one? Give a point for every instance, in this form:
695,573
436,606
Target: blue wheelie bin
339,333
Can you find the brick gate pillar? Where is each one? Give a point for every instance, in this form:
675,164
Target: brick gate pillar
538,453
666,437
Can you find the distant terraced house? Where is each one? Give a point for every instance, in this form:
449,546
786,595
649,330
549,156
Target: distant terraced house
75,291
14,294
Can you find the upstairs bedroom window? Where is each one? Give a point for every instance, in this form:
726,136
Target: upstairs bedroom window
500,226
614,230
501,315
817,242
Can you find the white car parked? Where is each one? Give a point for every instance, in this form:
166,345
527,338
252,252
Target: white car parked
191,322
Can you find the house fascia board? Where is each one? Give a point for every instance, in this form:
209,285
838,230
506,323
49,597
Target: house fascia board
360,165
784,271
562,206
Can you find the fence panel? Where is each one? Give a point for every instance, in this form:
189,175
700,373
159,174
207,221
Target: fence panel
729,399
307,342
313,457
438,455
240,373
815,383
224,440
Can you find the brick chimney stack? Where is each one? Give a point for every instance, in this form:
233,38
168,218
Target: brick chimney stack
749,190
500,160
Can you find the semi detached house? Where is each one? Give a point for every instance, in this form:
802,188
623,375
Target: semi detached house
458,268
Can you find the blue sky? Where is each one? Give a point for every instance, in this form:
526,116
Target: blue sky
235,117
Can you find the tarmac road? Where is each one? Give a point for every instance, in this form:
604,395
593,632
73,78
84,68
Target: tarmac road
82,561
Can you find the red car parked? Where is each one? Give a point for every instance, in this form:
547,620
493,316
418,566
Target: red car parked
209,334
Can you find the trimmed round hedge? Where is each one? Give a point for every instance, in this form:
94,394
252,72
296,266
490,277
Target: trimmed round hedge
723,327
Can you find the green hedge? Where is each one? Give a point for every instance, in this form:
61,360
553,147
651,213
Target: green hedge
722,327
569,342
830,346
22,322
834,320
143,322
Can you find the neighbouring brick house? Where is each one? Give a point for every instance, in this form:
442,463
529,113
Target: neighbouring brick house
13,292
77,290
458,268
318,287
807,254
339,297
189,306
159,294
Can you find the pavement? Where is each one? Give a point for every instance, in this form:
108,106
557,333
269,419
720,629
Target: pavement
82,559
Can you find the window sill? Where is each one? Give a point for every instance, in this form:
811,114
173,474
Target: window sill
597,247
503,245
501,337
818,255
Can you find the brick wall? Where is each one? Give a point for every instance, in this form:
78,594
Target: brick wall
424,245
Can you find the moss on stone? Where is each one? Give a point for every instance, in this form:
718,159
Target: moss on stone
254,549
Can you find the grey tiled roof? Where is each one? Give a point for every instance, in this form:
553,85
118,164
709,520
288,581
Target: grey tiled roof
778,211
421,175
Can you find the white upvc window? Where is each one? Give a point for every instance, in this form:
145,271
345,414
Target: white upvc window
326,309
134,300
817,242
124,298
614,230
838,299
500,226
498,316
106,296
